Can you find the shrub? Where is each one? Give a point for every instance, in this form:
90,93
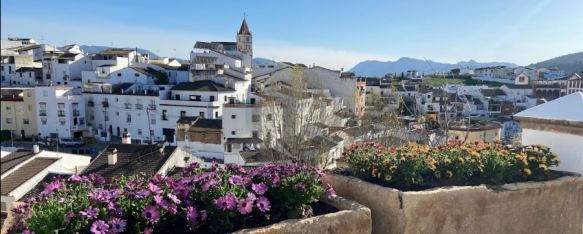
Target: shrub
419,166
216,199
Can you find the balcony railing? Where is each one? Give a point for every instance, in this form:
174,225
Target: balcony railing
128,106
139,106
61,113
43,113
76,113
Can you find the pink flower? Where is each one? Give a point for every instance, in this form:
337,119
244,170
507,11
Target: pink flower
151,213
245,206
330,192
263,204
91,212
51,187
118,225
260,188
174,198
158,199
154,188
99,227
227,202
148,230
191,214
236,180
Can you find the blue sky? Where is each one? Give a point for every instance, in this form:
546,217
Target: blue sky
329,33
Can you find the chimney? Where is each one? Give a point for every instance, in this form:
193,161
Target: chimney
126,138
35,149
112,156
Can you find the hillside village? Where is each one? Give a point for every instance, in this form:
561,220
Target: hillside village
126,113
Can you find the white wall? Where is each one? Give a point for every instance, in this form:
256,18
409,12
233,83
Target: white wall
568,147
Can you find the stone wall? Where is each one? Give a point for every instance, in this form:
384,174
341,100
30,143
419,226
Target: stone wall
533,207
352,218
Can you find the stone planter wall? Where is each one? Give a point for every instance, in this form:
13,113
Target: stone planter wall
533,207
352,218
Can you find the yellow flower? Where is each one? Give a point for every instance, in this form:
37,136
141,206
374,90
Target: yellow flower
527,171
543,166
393,168
402,159
461,160
449,174
447,161
475,154
437,174
388,177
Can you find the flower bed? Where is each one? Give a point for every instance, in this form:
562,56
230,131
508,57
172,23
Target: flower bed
502,206
417,167
215,200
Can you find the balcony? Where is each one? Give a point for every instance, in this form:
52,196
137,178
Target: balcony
128,106
43,113
139,107
76,113
61,113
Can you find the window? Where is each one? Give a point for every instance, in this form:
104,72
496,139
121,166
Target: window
233,116
139,131
62,121
43,121
216,114
225,98
164,115
212,98
61,105
118,74
177,97
182,113
8,108
195,98
233,132
255,134
8,120
136,75
201,114
25,121
129,118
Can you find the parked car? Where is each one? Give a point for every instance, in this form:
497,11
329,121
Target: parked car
70,142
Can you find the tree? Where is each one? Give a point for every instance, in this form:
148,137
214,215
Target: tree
455,72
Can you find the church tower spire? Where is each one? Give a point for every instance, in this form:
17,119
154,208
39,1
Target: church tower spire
245,39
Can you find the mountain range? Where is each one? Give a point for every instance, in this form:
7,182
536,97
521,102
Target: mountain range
569,63
96,49
379,68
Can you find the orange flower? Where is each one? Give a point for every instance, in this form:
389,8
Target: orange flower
543,166
527,171
437,174
449,174
461,160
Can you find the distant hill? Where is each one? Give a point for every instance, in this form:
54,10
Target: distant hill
569,63
96,49
379,68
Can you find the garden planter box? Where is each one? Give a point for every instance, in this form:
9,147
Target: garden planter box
351,218
554,206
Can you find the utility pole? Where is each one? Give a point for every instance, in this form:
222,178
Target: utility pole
149,126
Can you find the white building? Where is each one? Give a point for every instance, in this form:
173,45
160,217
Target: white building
123,107
60,112
557,124
574,84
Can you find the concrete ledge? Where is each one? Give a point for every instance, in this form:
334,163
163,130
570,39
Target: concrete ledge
352,218
554,206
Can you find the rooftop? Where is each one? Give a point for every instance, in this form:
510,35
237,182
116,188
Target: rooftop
15,158
24,173
563,108
131,160
203,85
